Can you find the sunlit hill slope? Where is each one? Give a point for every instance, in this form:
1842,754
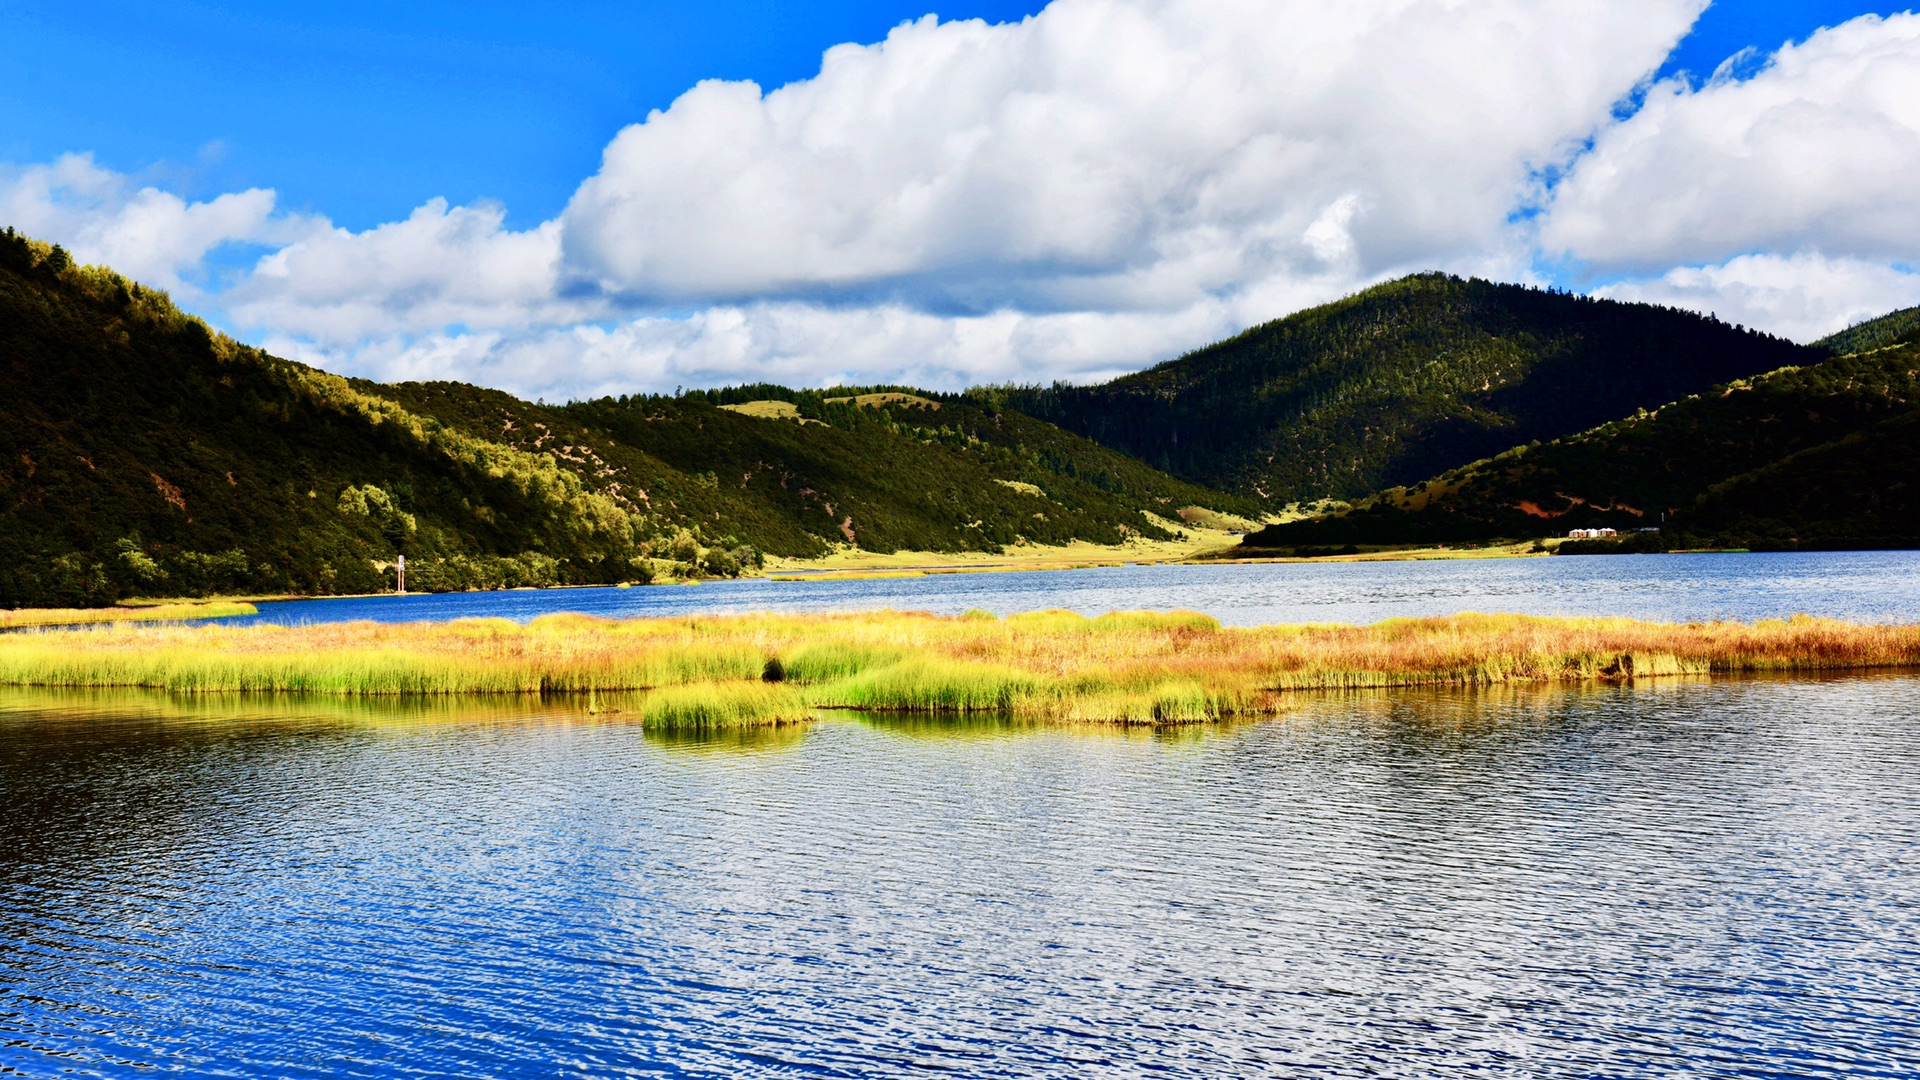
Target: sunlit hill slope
141,454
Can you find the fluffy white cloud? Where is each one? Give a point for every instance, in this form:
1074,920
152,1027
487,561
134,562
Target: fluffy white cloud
441,267
1114,154
791,342
1803,296
151,235
1816,152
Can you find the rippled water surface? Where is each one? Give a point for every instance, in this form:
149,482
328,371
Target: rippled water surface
1875,585
1689,879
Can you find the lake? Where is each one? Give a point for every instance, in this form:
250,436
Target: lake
1687,879
1876,585
1670,878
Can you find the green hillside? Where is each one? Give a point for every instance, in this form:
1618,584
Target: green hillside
1860,491
1401,382
1889,329
1814,456
141,454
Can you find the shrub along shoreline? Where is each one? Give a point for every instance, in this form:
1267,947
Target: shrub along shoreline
708,672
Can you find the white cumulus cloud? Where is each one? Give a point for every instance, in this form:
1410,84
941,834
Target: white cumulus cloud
148,234
781,341
1802,296
443,266
1114,154
1816,152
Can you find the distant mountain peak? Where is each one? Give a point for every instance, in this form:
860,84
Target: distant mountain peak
1401,381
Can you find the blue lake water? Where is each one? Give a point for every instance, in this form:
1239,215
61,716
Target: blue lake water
1880,586
1681,878
1685,879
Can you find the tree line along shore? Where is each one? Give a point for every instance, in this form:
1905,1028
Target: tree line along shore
717,672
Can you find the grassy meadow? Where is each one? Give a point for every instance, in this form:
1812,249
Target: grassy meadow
720,672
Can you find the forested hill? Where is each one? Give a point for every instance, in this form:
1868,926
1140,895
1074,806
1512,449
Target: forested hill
1889,329
141,454
1822,456
1401,382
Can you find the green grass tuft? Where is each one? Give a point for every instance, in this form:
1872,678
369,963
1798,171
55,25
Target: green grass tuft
721,706
828,661
929,684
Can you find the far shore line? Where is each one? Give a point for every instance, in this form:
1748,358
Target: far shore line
845,564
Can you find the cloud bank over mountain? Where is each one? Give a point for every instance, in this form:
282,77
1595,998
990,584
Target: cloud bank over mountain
1100,186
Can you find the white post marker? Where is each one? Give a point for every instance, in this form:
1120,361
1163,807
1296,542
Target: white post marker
400,574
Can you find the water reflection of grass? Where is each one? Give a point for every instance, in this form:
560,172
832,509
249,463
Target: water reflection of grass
83,704
730,740
990,727
718,673
135,703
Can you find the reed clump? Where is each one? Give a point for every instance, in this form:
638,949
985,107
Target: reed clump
700,707
714,672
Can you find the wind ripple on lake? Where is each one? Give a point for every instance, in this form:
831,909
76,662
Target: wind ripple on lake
1700,879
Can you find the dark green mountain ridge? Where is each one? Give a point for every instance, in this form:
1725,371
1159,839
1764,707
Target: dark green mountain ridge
1401,382
1815,456
142,454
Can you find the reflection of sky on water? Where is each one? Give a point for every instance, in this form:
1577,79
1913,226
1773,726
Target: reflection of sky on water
1864,585
1709,879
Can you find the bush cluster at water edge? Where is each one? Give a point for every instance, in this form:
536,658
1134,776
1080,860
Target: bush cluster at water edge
1132,668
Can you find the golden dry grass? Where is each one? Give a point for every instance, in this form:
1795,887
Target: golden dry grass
766,410
207,609
1132,667
891,397
770,410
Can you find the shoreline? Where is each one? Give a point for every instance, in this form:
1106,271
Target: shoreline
841,565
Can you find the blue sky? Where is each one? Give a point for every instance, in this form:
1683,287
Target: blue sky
362,111
1732,25
418,190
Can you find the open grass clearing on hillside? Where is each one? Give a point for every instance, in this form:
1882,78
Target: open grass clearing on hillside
889,397
708,673
1200,517
771,410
